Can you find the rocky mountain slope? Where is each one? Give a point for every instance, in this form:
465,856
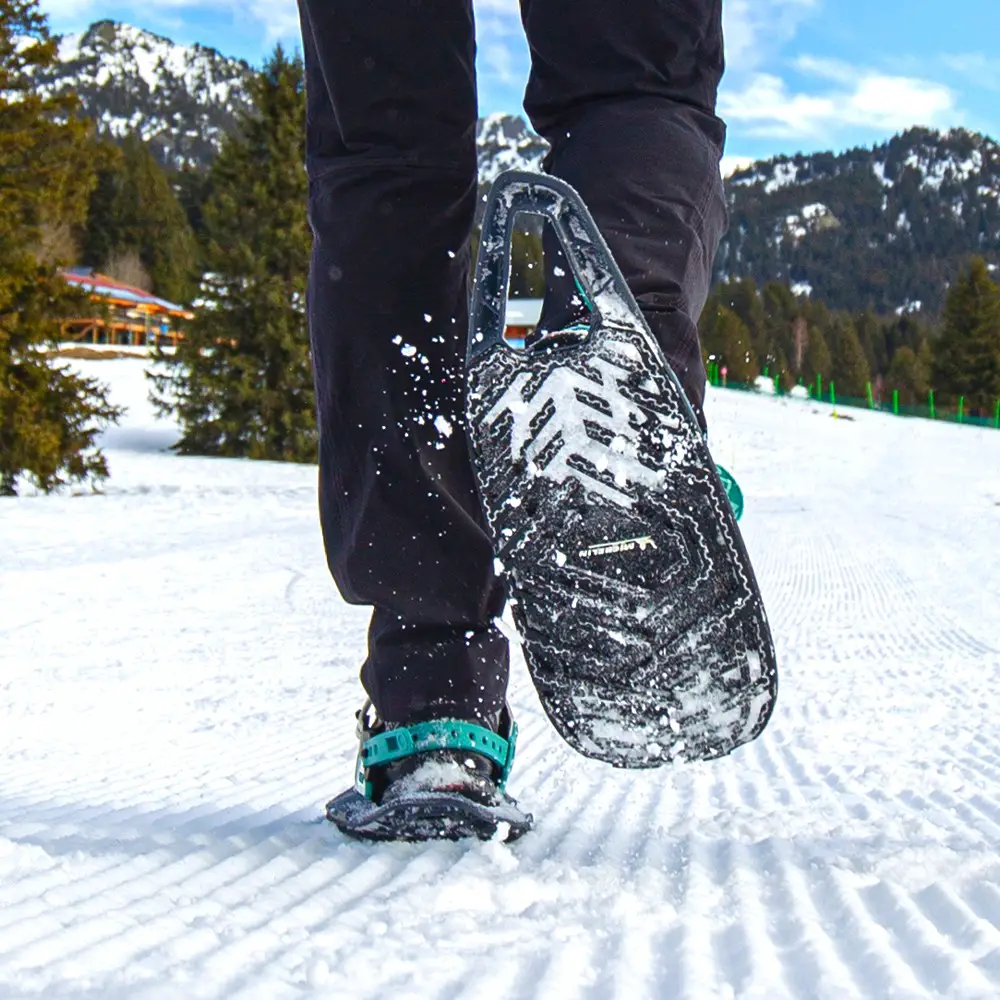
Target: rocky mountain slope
887,227
181,99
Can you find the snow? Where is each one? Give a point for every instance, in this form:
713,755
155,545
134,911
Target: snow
879,170
147,73
505,143
177,699
801,288
785,173
798,224
937,170
816,210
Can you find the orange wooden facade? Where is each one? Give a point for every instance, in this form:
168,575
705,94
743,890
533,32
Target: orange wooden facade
126,316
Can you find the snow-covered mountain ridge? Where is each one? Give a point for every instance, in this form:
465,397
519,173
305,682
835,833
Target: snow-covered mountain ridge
881,226
181,99
887,226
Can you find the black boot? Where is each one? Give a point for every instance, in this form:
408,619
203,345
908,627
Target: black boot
433,780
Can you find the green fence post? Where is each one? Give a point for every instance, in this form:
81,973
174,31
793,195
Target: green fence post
961,408
895,401
777,384
996,415
871,400
833,395
930,397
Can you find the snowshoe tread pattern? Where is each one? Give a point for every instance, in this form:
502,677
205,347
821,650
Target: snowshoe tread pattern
641,621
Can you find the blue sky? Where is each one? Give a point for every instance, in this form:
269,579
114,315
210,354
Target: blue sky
803,75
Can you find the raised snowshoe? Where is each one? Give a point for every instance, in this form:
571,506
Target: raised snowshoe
642,624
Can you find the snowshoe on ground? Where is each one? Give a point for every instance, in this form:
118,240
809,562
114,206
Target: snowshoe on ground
640,617
440,780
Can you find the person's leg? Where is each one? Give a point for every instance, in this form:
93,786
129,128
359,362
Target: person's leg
625,94
392,167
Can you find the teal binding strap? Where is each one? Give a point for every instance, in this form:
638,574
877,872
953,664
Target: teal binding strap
733,491
442,734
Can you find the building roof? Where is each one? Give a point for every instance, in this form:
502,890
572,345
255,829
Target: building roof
523,312
119,293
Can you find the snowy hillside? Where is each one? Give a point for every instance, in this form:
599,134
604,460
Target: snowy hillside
887,227
184,99
181,99
504,142
177,699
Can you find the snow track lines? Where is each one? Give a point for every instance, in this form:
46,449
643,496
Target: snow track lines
176,706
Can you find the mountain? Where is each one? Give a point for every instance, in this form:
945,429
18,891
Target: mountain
181,99
888,227
504,142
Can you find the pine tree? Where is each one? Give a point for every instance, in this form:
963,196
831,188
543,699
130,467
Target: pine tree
727,341
909,376
49,418
872,339
967,354
780,312
818,361
850,369
241,380
527,264
134,209
741,296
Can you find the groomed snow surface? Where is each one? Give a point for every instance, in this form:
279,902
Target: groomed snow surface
177,701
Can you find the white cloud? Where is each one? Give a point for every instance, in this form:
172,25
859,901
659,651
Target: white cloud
980,69
756,30
860,98
275,18
730,164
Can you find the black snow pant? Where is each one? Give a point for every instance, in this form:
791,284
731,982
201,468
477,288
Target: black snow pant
625,92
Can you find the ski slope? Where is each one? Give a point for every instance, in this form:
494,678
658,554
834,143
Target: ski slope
177,692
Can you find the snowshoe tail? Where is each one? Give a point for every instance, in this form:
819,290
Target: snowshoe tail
641,620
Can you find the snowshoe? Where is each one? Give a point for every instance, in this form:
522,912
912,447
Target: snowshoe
440,780
640,617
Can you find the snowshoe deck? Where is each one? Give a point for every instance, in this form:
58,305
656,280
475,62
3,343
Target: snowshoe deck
642,624
427,816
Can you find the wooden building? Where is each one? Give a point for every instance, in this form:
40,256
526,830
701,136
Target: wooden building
522,317
122,315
